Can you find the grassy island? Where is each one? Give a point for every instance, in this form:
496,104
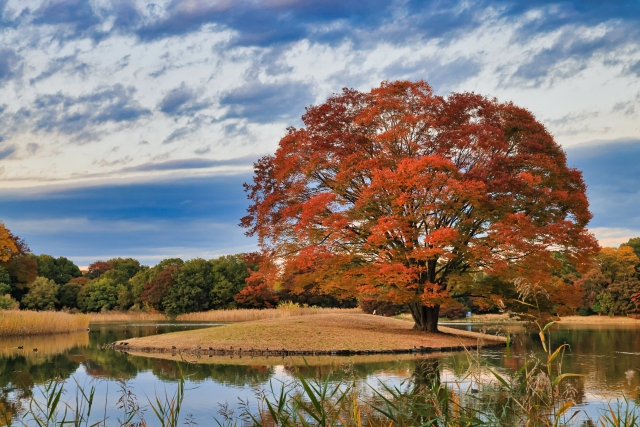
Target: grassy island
317,333
23,322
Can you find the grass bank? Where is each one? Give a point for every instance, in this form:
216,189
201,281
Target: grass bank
322,332
226,316
22,322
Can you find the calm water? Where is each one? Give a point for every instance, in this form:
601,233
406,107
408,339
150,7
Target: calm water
608,356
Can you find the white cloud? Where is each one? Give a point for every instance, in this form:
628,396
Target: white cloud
613,237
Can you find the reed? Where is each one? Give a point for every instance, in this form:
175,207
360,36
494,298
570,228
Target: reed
245,315
531,397
123,316
22,322
227,316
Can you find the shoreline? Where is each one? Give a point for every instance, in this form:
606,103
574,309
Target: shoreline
313,335
598,320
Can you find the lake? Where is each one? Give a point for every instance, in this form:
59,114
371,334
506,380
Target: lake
607,355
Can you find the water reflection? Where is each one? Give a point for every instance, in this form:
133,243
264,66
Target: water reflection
608,356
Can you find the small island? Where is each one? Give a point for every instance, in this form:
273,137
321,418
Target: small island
321,334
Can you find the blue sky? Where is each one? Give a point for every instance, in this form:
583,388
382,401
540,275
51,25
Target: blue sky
127,127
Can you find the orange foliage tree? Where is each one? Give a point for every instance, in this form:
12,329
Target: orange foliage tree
8,246
392,193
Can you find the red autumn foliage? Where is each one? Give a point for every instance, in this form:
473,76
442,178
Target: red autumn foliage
97,269
155,290
257,296
390,193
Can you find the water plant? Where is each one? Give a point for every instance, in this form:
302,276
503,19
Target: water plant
23,322
537,394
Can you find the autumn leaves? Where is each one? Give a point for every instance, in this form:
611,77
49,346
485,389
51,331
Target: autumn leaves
389,194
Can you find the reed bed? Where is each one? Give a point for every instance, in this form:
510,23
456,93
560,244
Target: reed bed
227,316
22,322
123,316
246,315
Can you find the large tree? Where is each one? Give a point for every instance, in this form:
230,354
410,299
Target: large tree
398,193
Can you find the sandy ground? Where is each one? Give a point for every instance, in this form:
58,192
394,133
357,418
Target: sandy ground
324,332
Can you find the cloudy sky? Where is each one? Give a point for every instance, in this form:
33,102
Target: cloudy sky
128,127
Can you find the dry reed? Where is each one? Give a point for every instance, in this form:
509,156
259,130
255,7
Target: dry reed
238,315
123,316
246,315
16,322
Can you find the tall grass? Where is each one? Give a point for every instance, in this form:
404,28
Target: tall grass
514,400
124,316
236,315
20,322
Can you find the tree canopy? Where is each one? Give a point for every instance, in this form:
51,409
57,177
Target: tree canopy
396,194
60,269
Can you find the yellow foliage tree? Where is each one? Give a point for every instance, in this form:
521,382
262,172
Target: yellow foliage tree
8,247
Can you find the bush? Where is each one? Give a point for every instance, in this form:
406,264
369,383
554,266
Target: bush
8,303
585,311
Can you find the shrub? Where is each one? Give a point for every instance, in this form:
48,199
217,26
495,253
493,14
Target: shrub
585,311
8,303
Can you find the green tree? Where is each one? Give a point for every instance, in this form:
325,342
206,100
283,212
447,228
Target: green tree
634,243
42,295
605,304
156,289
5,277
68,295
129,266
22,270
146,276
611,285
191,289
60,269
107,292
7,303
228,274
4,288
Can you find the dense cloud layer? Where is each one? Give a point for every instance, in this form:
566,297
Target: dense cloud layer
136,89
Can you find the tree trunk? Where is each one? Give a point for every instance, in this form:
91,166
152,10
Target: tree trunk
425,318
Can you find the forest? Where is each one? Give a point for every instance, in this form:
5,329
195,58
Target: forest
610,285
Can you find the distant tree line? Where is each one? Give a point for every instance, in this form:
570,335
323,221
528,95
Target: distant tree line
173,286
610,285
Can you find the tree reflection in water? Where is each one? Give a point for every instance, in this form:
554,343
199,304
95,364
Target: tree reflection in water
604,354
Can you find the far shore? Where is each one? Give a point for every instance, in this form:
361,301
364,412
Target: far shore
322,334
598,320
224,316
